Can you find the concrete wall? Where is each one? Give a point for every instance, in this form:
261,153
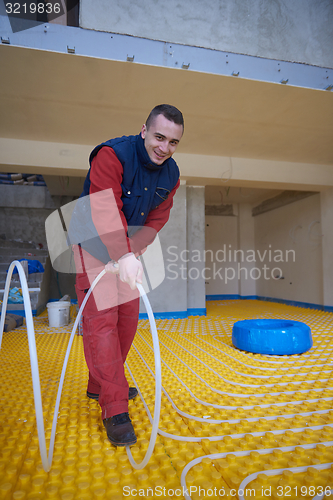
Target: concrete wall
221,267
23,211
282,254
298,30
229,242
291,238
24,224
242,255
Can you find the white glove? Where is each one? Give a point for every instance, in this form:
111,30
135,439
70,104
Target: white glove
112,267
130,270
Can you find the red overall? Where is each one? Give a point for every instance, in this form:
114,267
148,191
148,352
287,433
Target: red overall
108,332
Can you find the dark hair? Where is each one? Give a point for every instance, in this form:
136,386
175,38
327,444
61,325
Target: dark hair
170,112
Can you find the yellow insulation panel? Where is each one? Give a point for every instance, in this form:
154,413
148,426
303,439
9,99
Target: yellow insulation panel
260,426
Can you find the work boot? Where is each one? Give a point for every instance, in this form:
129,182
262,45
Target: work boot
132,392
91,395
120,430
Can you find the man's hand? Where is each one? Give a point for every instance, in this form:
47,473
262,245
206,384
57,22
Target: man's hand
130,270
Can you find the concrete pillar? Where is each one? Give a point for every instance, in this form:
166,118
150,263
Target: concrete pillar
196,291
326,205
169,299
246,241
182,239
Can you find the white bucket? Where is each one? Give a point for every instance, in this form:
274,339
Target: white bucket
58,313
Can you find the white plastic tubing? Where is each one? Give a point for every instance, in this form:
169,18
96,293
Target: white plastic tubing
158,386
47,460
240,493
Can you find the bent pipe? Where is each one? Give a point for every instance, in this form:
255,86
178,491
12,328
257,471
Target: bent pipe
47,460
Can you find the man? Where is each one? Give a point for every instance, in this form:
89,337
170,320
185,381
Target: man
130,187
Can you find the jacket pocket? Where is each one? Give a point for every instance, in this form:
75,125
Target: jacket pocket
161,194
131,199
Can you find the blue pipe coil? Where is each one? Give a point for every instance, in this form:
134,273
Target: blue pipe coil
272,336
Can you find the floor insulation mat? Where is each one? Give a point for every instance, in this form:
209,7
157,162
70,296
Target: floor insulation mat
233,424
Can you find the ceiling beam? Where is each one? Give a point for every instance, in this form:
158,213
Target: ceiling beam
50,158
280,200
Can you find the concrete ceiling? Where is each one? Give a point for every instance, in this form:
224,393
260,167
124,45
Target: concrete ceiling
214,194
224,195
65,98
75,100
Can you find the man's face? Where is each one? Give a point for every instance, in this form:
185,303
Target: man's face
161,139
